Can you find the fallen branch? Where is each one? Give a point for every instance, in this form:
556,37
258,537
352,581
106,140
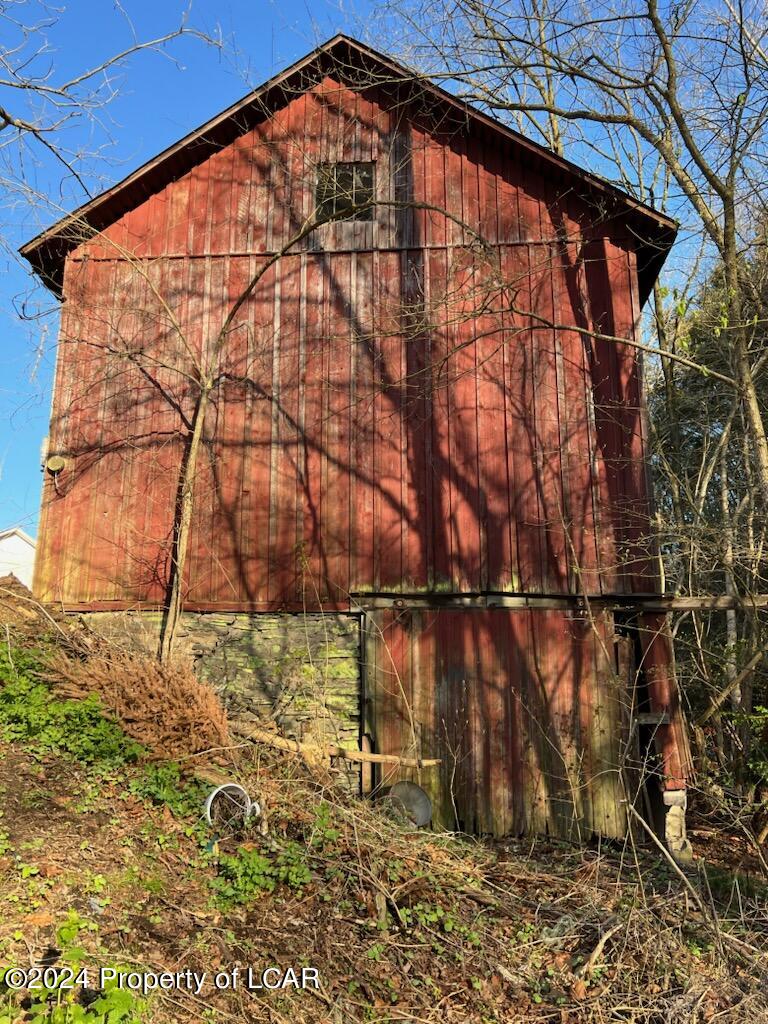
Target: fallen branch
588,966
315,752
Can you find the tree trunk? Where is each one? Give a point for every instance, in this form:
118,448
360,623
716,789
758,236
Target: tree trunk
738,337
182,527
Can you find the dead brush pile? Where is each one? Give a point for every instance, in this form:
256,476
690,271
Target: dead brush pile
412,925
164,707
27,619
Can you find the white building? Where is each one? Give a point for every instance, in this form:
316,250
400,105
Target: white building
17,554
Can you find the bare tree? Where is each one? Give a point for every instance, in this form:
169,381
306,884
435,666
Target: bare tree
686,83
60,122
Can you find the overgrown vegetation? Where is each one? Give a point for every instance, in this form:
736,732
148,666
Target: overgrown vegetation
106,860
57,1001
249,872
30,713
163,784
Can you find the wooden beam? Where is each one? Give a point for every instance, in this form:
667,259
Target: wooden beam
575,602
698,602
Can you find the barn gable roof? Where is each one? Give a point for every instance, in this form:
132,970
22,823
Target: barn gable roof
356,64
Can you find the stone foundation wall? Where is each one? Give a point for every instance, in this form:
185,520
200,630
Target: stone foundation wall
300,671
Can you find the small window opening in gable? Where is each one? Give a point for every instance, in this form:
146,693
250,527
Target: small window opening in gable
345,191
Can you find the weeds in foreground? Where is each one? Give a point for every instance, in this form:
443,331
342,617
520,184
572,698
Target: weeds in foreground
31,714
403,925
59,992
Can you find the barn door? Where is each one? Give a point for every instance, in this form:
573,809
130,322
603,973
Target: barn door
522,709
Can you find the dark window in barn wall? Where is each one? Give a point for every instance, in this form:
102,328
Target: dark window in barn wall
345,191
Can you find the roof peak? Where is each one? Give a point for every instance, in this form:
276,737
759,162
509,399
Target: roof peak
47,251
16,531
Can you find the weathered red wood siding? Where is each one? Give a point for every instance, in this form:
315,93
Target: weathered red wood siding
523,708
488,452
416,404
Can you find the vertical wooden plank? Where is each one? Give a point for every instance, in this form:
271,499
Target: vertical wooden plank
488,170
510,206
286,441
425,678
336,517
213,578
220,170
535,792
635,507
462,371
608,815
278,220
295,157
545,738
470,186
366,147
454,199
527,177
498,535
606,434
386,230
261,343
647,558
240,197
496,760
403,185
302,451
96,410
574,396
388,493
419,147
434,190
49,556
137,323
313,426
442,423
70,493
554,565
223,454
363,414
415,390
658,669
257,239
520,422
458,773
232,461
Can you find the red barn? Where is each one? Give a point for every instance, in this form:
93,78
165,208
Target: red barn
426,436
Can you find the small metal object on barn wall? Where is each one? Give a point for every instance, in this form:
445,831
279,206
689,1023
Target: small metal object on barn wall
421,401
55,463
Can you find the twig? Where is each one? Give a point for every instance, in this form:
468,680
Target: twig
594,956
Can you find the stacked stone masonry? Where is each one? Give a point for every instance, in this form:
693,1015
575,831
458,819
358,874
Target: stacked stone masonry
299,671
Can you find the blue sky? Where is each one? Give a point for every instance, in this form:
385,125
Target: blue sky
157,103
